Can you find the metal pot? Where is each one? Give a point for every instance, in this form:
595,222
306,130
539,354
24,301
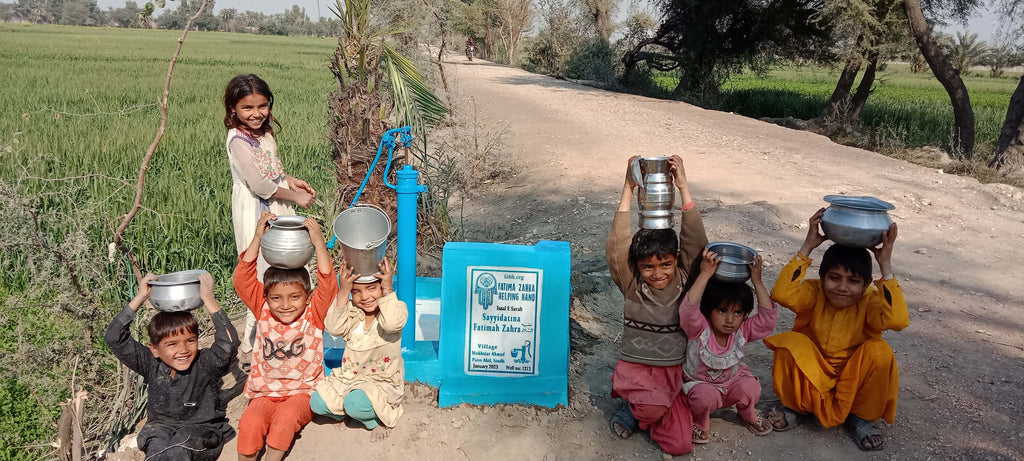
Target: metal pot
177,291
286,244
655,194
856,221
734,266
363,233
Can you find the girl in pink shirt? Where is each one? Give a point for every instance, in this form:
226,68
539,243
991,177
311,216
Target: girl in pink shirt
716,318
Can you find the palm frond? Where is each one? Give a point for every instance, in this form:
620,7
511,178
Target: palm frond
413,99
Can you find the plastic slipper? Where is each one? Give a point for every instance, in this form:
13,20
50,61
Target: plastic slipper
786,415
763,426
624,418
861,429
699,436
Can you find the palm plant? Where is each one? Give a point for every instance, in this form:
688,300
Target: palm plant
377,87
966,51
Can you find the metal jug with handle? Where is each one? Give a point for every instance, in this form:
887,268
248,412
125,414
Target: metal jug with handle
655,193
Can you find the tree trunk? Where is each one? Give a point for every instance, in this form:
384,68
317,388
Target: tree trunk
963,115
842,92
1011,138
860,98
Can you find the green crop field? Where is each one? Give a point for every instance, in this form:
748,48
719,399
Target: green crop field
77,112
82,101
910,109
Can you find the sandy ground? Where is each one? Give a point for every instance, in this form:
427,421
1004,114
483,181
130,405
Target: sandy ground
958,257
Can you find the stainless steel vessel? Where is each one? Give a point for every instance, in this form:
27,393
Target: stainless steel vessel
655,192
734,266
363,233
856,221
286,244
177,291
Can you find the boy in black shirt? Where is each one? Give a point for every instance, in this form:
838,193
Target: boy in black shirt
187,420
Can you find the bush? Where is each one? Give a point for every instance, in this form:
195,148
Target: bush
592,60
23,422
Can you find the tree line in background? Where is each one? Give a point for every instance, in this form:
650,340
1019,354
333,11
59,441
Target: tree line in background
292,21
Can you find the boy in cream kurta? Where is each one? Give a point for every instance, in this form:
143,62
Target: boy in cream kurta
369,384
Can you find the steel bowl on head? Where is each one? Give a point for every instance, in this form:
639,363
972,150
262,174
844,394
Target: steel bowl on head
856,221
734,266
286,244
177,291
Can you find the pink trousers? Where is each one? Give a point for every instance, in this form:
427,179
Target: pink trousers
705,398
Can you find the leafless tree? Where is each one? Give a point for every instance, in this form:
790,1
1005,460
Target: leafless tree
514,18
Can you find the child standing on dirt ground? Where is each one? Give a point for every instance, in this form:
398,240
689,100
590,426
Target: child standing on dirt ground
369,385
716,317
648,269
288,359
259,182
835,364
186,417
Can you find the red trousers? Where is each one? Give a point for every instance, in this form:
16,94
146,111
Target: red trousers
277,419
655,398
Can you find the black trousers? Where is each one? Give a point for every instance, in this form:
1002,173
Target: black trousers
199,442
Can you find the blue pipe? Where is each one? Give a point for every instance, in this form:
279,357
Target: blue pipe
408,189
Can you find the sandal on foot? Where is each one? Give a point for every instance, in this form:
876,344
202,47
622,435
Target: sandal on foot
699,436
624,419
760,427
782,413
864,432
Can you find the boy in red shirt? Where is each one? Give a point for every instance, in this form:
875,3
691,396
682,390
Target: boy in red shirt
288,355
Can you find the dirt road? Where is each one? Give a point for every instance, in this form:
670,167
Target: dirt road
959,258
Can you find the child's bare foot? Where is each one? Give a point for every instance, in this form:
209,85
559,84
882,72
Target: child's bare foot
379,433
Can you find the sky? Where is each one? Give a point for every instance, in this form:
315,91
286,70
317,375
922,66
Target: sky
983,23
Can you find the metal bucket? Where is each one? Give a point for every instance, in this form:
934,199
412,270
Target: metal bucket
363,233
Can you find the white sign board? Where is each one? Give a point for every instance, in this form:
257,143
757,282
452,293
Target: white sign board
501,333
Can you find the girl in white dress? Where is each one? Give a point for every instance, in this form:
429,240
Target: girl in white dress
258,178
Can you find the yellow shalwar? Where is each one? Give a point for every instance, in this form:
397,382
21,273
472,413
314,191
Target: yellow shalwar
834,362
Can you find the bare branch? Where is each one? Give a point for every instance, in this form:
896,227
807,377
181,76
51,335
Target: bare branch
137,204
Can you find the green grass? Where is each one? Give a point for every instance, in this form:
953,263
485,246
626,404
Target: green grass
84,102
913,109
81,103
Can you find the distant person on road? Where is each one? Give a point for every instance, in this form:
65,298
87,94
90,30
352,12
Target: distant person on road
186,416
259,182
649,269
369,386
716,317
835,364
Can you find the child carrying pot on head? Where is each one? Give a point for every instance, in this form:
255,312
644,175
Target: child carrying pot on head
187,418
716,317
835,364
369,385
288,354
646,268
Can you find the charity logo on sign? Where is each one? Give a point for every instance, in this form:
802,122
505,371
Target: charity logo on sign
485,288
504,306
